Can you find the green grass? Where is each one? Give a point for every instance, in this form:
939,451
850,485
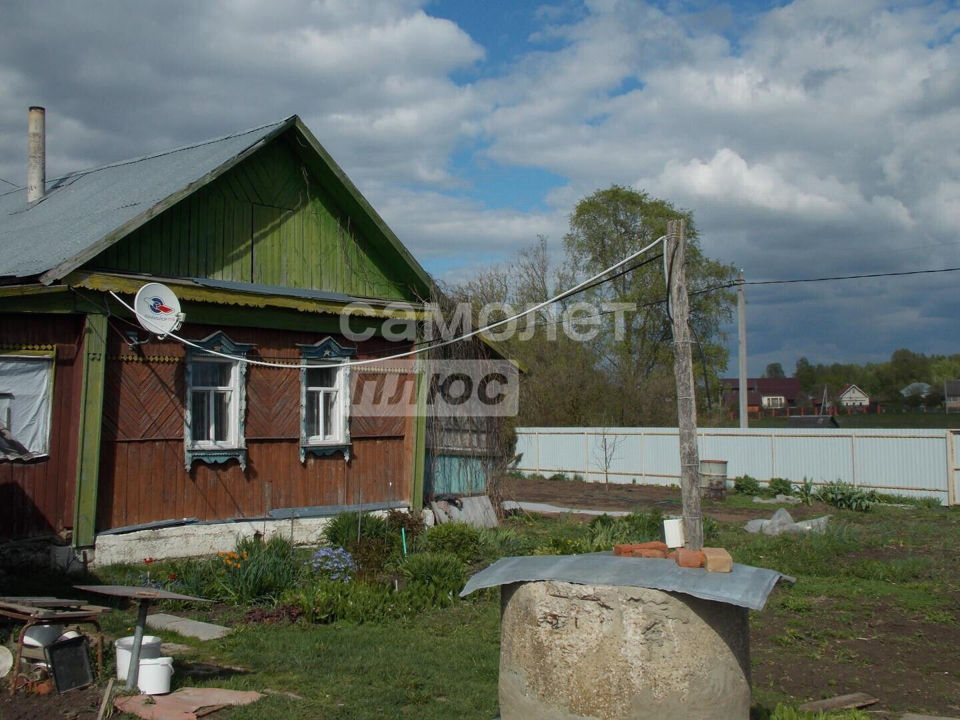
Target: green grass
869,568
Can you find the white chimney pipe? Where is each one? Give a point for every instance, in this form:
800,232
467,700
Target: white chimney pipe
36,154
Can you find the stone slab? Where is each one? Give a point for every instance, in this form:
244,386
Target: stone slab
189,628
913,716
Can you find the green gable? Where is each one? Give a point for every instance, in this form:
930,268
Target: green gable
277,218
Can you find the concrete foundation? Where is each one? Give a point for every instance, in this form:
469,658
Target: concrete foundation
582,652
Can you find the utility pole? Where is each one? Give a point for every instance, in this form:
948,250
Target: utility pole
675,251
742,348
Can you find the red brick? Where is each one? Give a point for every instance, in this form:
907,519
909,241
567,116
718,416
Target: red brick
649,553
690,558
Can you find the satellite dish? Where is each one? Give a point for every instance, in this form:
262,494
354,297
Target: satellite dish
158,309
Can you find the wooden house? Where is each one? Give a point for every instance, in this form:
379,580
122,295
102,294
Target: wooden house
265,241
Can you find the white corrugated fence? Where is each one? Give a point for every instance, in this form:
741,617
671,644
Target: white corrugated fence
920,463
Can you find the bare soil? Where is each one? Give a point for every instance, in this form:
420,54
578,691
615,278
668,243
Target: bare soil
80,704
597,496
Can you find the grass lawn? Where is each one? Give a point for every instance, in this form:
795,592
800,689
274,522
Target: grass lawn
874,609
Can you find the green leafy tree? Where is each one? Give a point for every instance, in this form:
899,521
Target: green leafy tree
606,227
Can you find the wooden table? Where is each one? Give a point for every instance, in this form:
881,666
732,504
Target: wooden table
145,596
33,611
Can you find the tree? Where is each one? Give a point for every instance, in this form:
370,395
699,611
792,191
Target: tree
806,374
611,379
774,370
606,227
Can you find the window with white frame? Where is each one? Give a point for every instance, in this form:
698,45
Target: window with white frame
325,398
774,401
26,392
215,402
324,404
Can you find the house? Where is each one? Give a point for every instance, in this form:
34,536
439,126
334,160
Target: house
852,396
268,245
951,395
777,395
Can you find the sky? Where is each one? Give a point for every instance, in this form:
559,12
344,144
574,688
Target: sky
810,138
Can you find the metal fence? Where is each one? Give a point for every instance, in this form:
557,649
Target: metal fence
919,463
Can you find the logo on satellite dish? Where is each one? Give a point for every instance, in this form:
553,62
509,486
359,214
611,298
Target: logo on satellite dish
158,309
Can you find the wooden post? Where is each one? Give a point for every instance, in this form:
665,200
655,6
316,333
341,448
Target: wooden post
675,251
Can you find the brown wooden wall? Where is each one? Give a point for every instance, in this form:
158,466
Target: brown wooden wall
142,473
37,497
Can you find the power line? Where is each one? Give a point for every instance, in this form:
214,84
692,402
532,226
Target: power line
847,277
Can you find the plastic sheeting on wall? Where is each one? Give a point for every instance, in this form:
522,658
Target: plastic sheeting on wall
26,384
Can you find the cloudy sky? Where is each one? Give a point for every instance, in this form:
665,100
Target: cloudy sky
810,138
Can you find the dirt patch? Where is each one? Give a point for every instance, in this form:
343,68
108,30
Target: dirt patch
908,663
72,705
597,496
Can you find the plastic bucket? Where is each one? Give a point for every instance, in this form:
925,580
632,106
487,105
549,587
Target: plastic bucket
149,648
155,675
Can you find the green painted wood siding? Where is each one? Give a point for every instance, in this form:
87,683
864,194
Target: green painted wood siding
266,221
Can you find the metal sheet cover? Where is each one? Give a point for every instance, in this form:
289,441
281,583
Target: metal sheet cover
745,586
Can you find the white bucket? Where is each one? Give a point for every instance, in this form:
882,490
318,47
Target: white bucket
155,675
149,648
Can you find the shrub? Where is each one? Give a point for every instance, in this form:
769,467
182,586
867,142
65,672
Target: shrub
779,486
437,576
746,485
806,491
558,476
846,496
466,542
410,522
344,529
577,477
257,571
328,601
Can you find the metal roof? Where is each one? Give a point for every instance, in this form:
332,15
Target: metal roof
80,210
746,586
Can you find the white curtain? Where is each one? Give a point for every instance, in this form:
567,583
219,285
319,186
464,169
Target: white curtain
26,385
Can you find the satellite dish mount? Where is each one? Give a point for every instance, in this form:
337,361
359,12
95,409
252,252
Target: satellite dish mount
158,309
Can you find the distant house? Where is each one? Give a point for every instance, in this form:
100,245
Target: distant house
852,396
773,394
951,395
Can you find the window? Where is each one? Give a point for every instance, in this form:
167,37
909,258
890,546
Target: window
323,405
325,399
26,391
774,401
215,403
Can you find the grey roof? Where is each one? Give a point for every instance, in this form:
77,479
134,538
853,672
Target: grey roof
746,586
84,208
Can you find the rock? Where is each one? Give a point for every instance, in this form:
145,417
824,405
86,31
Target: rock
585,652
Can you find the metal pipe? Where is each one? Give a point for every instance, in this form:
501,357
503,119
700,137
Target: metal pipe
36,154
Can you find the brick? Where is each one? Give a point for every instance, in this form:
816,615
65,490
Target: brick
628,549
648,553
690,558
717,560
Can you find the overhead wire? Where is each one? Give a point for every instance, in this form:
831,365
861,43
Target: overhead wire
416,351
